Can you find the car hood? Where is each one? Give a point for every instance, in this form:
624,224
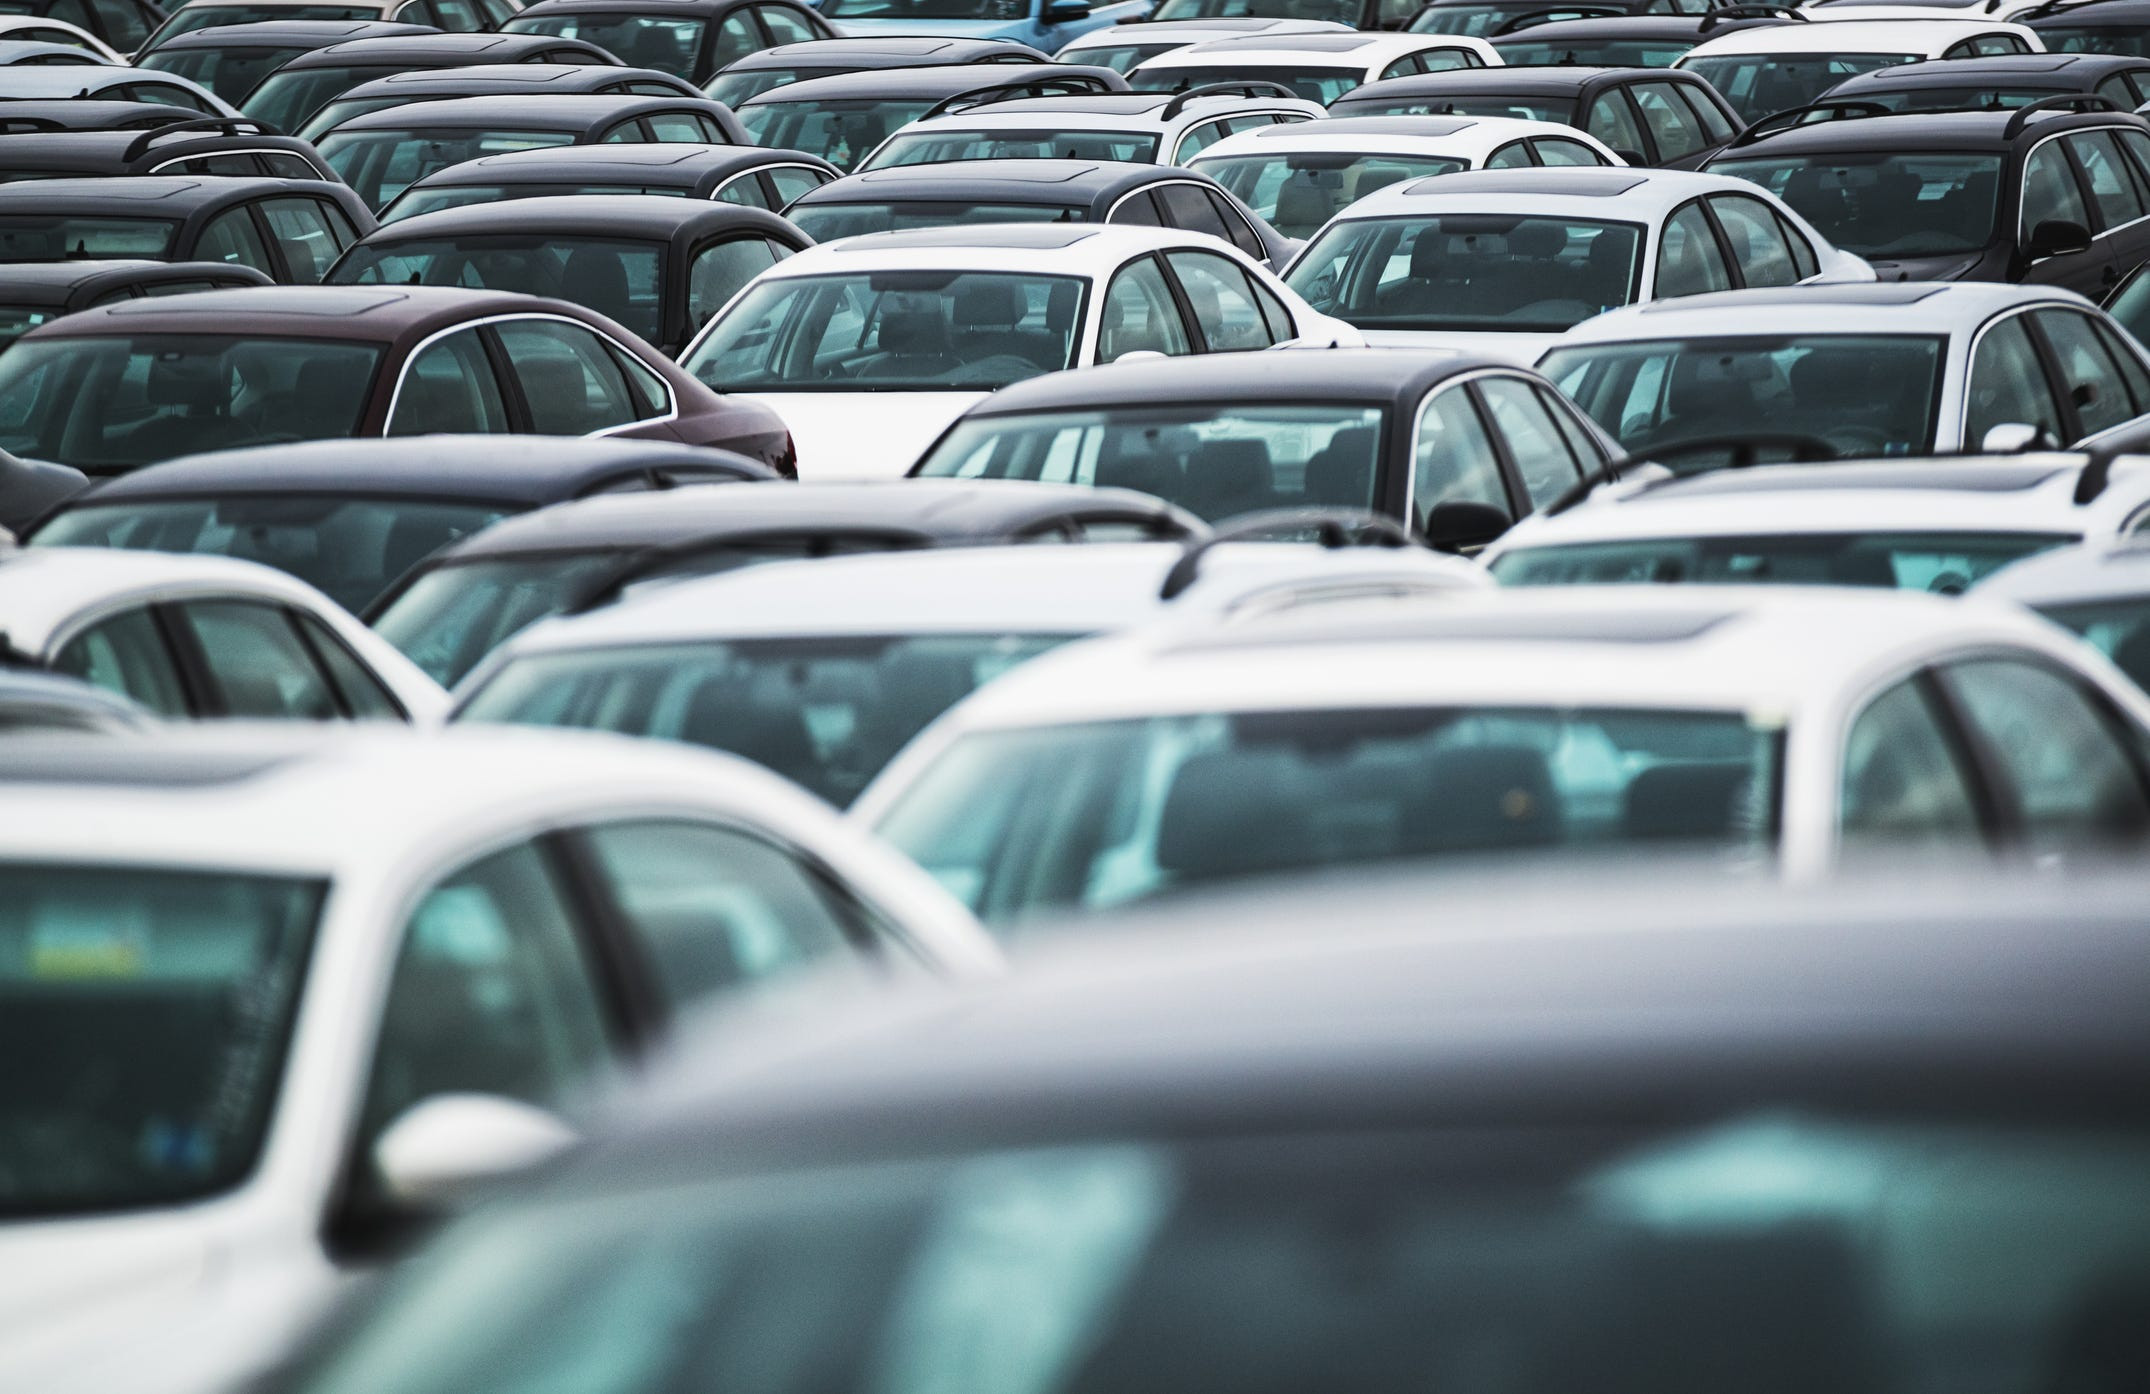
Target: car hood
864,435
1514,348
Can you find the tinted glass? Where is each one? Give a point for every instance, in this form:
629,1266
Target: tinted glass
1946,563
927,9
841,132
621,279
1522,106
127,654
2008,385
718,273
1895,204
1761,84
188,18
382,164
570,382
1594,52
2065,759
825,222
1689,259
257,662
449,387
18,320
1904,783
1120,58
1469,271
229,72
34,238
2089,373
2119,628
1316,84
1298,192
2131,40
942,147
669,43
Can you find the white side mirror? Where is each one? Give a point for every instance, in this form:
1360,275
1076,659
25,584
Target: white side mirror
442,1148
2015,437
1137,355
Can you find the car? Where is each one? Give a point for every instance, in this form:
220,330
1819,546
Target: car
232,59
749,175
1783,66
204,638
42,702
1967,365
119,25
870,346
1620,40
1503,261
1939,525
1318,67
1441,442
2109,26
31,488
184,145
290,230
309,952
2099,590
16,52
107,82
1043,24
1774,725
1647,116
539,80
661,266
844,118
1299,176
769,68
466,599
1122,46
352,517
224,369
1352,14
1140,127
458,15
1966,84
382,153
691,39
967,192
822,670
289,97
2035,194
37,292
1485,18
28,28
25,117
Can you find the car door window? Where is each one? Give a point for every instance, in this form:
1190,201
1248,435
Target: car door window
231,236
2128,357
2088,372
1904,780
365,697
2137,145
449,387
2112,188
1197,139
1715,123
1237,230
793,181
2116,90
1672,123
1187,207
1613,123
1514,155
1553,150
718,272
570,383
626,133
458,16
747,191
1139,314
673,127
1581,444
279,164
2008,385
2050,192
303,233
1138,209
785,26
168,94
2066,765
1758,240
1689,261
715,909
1454,460
1226,313
124,24
736,37
257,662
127,654
1536,445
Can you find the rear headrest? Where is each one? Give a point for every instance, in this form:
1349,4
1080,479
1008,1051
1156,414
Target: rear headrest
1837,380
1485,798
595,278
187,383
1428,254
1230,813
1301,204
1540,241
1687,802
992,304
911,331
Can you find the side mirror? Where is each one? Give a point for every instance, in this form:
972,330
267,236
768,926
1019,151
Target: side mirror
2017,437
1464,526
1138,355
1065,11
2056,237
1633,157
442,1148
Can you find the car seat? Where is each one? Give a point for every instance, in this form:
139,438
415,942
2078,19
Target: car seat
1302,207
913,343
1480,798
1232,813
596,279
1131,459
1229,477
558,394
988,315
1420,292
1682,802
723,714
1341,473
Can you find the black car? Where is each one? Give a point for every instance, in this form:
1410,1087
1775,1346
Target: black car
2091,26
29,489
528,79
752,176
692,39
105,82
773,67
291,230
2053,197
197,145
468,599
661,266
1456,447
842,118
1130,47
1616,41
1968,84
230,59
1649,116
1358,14
1485,18
351,517
288,97
38,292
87,114
1030,191
123,24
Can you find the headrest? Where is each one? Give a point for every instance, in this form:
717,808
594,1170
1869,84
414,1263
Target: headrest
1688,802
1537,240
1428,254
1229,814
187,382
1484,798
596,278
911,331
994,304
1837,380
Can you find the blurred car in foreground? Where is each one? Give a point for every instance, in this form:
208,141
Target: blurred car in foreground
2099,590
33,702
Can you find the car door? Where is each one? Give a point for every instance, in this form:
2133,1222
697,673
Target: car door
1907,782
2008,384
450,385
2100,383
568,382
1230,313
2052,192
2119,202
1690,261
130,653
1139,314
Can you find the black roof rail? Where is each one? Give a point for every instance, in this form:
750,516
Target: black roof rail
2044,11
1166,523
29,125
2059,101
1070,85
1746,448
643,563
1226,89
1531,19
2097,470
1724,14
1333,528
222,125
1840,110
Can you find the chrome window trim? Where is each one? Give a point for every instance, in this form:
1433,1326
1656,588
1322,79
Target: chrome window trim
403,374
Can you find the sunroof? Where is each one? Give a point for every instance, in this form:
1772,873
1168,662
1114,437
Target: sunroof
1554,627
1574,184
1980,477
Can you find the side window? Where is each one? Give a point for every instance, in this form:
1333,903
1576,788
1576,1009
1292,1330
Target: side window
2088,373
713,908
785,26
2137,144
1804,258
2126,355
673,127
737,37
257,660
1138,209
1226,313
168,94
1903,780
718,272
363,694
1454,458
1688,259
626,133
652,395
1671,121
1139,313
449,387
1552,150
458,16
1581,444
303,234
1613,123
1188,206
286,164
1237,230
745,190
1514,155
127,654
124,24
1715,124
231,236
2008,384
2072,778
1757,238
1535,443
792,182
1198,139
571,384
2116,90
2049,189
1403,67
2112,188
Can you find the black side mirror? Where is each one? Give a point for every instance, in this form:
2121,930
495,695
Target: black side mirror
1065,11
1633,157
1464,526
2056,237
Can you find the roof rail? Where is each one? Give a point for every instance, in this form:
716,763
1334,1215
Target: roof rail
1531,19
644,563
2044,11
2059,101
1166,523
1746,449
1226,89
28,125
1069,85
1333,528
223,125
1839,110
1725,14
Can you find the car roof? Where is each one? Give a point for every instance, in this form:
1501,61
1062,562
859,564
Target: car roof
2081,575
55,282
679,161
107,151
1143,109
545,111
65,81
694,8
1557,80
1471,136
1929,36
2120,14
2075,69
946,48
426,48
1045,248
1331,375
89,114
648,216
897,84
1911,131
1353,51
369,314
43,589
140,195
1180,30
1580,190
1047,181
1631,26
1852,307
538,79
279,33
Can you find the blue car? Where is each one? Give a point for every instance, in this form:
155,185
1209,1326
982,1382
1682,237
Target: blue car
1043,24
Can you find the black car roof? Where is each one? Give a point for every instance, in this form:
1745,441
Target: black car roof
1623,27
89,114
699,9
675,162
2117,14
141,195
548,111
1552,81
1332,375
285,33
895,84
532,79
56,282
2068,70
649,217
1003,181
863,51
96,152
1911,131
429,49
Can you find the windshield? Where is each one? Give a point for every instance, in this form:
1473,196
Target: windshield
286,99
147,1013
2119,628
33,237
1762,84
350,548
1886,204
229,72
668,43
1486,271
1213,459
1021,823
927,9
1556,109
1977,97
1594,53
930,147
107,403
1664,390
2129,40
825,222
930,331
1944,563
188,18
1336,11
382,164
1299,191
826,714
1122,58
841,132
618,278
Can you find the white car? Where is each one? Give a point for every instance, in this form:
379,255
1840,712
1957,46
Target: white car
1300,176
1763,725
821,670
1504,261
281,992
1779,67
2100,590
1960,361
1318,67
39,29
203,637
869,346
1122,46
109,82
1142,127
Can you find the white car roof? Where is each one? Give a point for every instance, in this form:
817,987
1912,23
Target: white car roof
1580,191
1197,31
1894,307
1084,249
1930,37
1355,52
1101,111
2092,572
44,589
1455,137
